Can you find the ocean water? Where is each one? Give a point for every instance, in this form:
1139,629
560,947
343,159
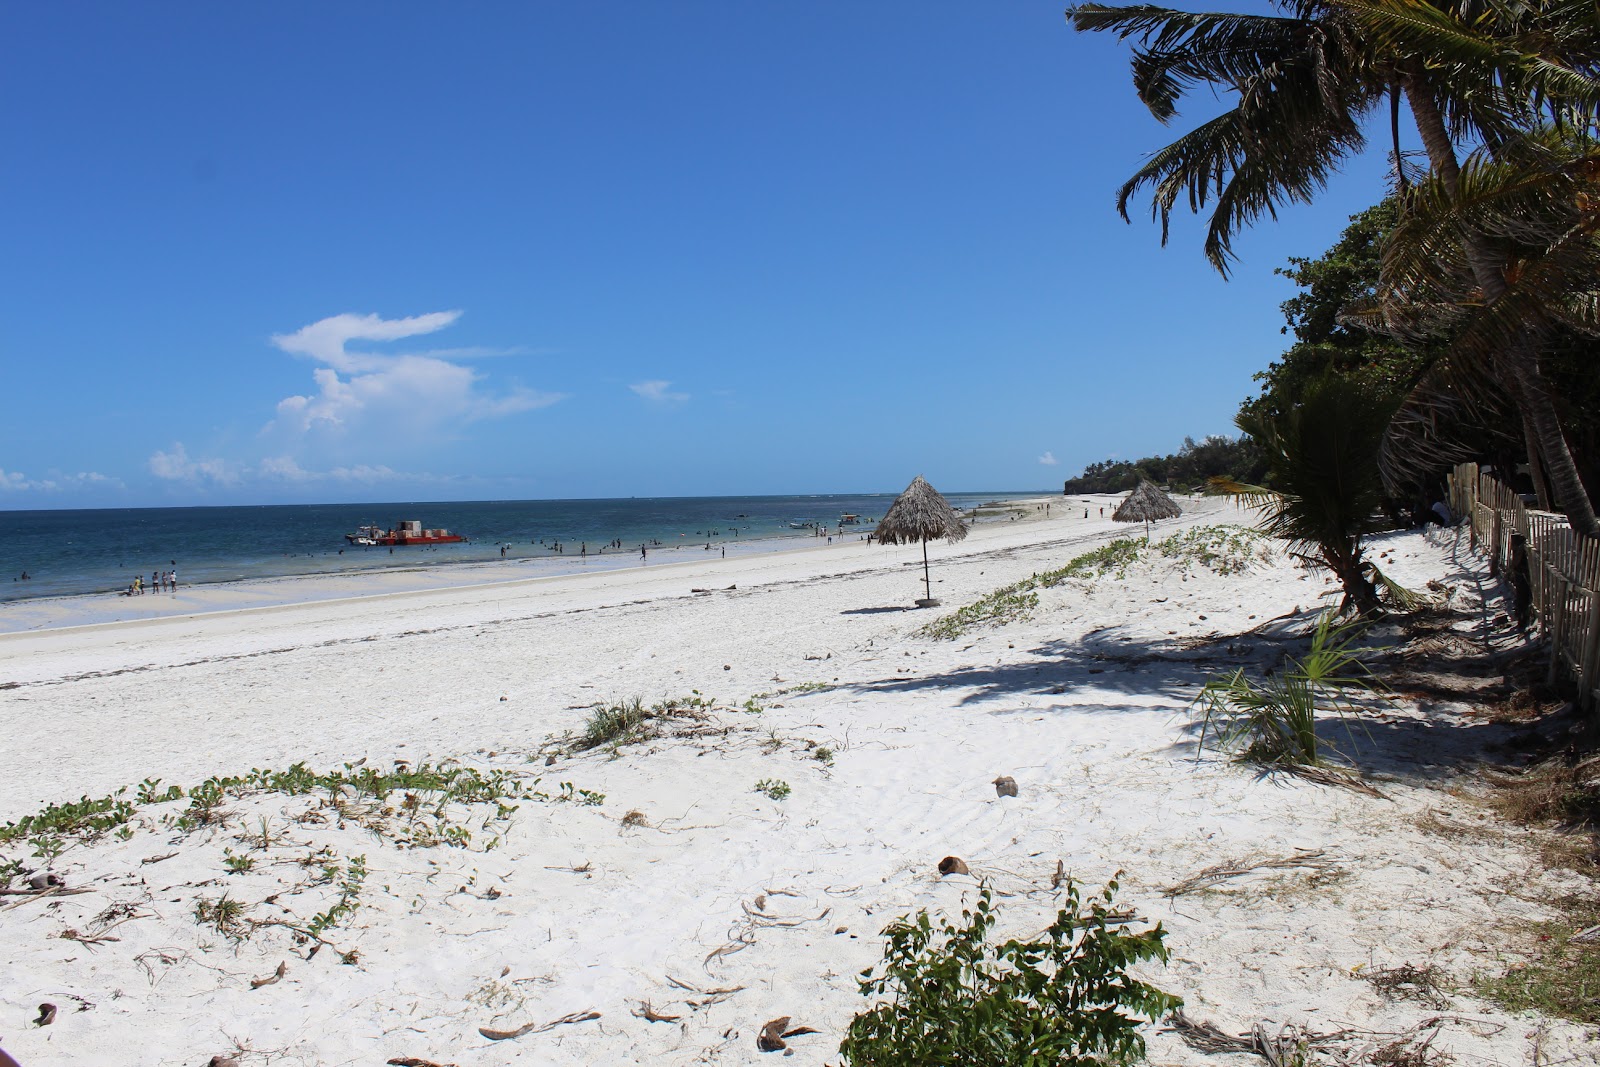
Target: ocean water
99,551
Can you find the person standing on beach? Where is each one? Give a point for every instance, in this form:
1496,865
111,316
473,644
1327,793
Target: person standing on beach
642,551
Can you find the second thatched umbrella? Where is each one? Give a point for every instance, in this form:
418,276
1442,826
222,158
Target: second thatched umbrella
921,514
1146,504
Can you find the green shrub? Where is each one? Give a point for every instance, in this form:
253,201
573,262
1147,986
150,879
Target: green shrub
1275,721
1223,549
614,725
1064,999
1017,600
773,788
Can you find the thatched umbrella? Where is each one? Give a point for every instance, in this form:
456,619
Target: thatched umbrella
920,514
1146,504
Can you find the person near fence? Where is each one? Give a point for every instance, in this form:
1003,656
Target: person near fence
1521,581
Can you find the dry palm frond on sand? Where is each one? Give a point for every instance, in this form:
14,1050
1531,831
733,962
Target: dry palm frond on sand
1316,860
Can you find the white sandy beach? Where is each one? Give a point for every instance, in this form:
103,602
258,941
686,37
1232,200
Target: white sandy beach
688,891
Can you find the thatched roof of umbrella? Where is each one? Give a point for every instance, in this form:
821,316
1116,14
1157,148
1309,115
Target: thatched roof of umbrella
1146,504
921,514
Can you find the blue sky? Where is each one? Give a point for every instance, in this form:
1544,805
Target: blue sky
417,251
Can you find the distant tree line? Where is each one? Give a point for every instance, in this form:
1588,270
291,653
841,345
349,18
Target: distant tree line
1217,456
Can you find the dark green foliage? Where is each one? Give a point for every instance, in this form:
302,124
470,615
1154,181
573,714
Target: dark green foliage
1344,276
1322,472
1063,998
1192,465
1275,720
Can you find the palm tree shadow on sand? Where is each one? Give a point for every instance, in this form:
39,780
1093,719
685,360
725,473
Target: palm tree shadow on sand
1450,675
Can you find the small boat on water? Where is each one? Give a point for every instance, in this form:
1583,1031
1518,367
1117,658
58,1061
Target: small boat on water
849,519
802,525
405,532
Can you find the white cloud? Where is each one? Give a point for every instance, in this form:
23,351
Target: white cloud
1049,459
658,392
176,466
16,481
409,391
286,469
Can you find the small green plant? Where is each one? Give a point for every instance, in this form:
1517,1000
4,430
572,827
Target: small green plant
773,788
237,863
355,874
753,707
586,797
149,794
1275,721
205,805
224,914
1063,999
616,724
83,819
823,755
10,869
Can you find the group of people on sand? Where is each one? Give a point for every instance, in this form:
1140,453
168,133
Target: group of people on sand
160,582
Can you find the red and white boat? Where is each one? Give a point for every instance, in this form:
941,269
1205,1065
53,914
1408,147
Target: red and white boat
405,532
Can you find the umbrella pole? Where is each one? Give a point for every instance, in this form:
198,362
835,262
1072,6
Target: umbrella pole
927,585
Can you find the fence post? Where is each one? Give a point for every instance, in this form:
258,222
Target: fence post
1558,617
1590,661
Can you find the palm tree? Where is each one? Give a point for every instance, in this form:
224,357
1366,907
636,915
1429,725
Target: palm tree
1536,199
1306,82
1323,489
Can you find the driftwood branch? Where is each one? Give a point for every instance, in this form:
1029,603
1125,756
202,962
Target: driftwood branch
536,1028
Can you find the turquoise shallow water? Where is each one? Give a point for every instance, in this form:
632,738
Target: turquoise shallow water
97,551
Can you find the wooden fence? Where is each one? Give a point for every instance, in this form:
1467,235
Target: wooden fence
1563,570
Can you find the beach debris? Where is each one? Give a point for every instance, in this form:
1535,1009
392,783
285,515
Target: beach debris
46,880
1406,982
1005,786
47,1015
649,1014
222,1061
952,865
771,1038
272,979
1585,937
1331,776
727,666
158,859
537,1028
412,1061
1058,879
635,818
1286,1047
1316,859
712,996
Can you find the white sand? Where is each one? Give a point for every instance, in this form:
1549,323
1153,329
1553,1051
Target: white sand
1083,704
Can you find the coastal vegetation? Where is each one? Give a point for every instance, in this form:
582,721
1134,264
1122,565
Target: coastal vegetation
1221,549
1496,255
1063,997
1188,468
1274,720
